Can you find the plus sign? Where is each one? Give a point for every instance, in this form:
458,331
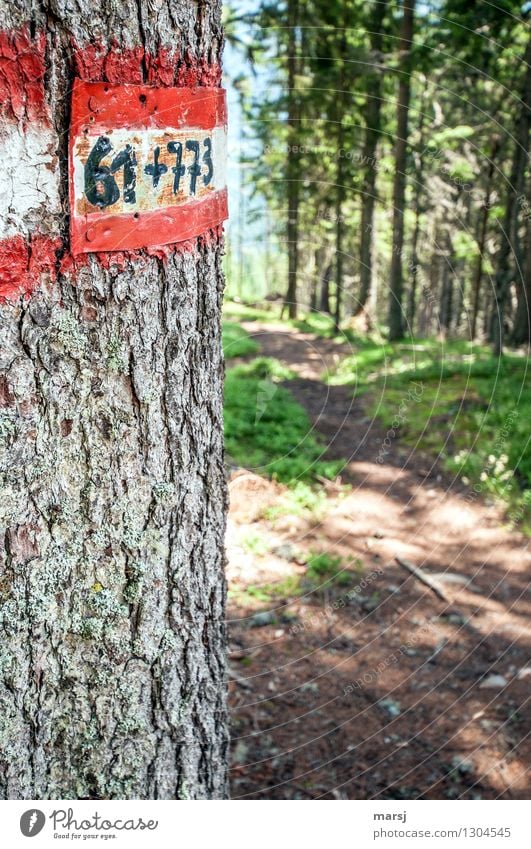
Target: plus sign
156,170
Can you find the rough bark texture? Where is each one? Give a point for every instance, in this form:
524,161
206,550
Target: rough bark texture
521,334
373,129
293,171
482,236
396,324
112,494
510,254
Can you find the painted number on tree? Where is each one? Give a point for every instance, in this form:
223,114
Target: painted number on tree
147,166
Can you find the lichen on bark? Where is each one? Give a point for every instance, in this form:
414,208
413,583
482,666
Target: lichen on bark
112,494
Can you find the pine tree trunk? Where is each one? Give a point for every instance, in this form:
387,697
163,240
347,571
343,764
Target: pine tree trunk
324,302
396,328
372,135
521,334
482,237
292,169
447,289
112,494
418,207
510,254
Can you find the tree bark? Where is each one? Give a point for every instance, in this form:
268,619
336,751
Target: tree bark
521,334
482,237
324,302
372,134
340,170
510,253
292,169
447,289
112,493
418,207
396,329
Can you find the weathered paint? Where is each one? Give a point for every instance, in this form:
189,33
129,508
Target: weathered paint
22,69
99,62
28,183
30,158
147,165
23,263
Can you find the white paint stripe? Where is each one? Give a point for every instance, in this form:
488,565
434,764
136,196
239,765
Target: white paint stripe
28,187
143,143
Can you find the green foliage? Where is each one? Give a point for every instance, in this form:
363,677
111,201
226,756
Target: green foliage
237,342
245,312
302,499
255,544
267,430
456,400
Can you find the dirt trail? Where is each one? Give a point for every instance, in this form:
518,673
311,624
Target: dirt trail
392,692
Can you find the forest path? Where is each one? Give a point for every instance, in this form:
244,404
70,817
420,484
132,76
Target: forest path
397,689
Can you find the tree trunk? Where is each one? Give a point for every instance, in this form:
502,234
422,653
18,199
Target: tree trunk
319,256
521,334
372,135
340,171
419,191
510,254
324,302
112,499
292,169
447,290
339,230
396,329
482,237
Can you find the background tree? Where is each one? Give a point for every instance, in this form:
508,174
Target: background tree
112,495
373,129
371,107
399,189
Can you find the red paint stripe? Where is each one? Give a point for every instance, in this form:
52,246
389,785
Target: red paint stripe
172,224
22,69
100,107
98,62
23,263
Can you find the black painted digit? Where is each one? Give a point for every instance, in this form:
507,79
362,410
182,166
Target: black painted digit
207,159
126,159
194,169
178,169
101,189
157,169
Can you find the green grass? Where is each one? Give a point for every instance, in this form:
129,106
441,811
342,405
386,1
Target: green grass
324,573
451,399
302,499
237,342
267,430
255,544
243,312
454,400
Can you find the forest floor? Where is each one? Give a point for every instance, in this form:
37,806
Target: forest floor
350,677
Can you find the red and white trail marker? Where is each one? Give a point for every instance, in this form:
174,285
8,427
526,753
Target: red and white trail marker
147,165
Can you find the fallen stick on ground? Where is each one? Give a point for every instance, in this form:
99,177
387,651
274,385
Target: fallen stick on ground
421,576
